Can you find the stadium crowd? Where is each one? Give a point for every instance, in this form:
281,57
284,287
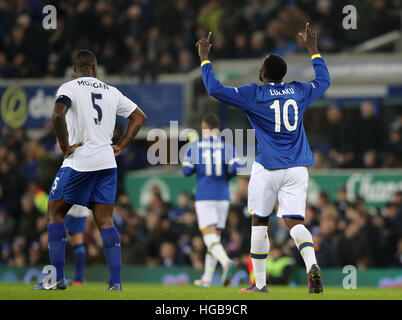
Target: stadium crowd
149,37
360,139
164,234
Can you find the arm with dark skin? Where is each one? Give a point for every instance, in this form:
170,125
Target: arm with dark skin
204,47
309,40
135,122
60,127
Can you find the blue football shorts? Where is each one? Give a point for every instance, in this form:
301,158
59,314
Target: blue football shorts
83,188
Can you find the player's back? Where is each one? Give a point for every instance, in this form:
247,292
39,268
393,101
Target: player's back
210,158
277,117
91,120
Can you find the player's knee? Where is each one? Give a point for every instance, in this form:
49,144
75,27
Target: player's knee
291,222
257,221
56,211
208,230
104,223
54,217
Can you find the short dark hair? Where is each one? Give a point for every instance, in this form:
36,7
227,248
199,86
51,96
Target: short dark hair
274,67
212,121
84,60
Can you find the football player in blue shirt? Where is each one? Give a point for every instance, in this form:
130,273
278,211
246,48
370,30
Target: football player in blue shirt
214,163
275,110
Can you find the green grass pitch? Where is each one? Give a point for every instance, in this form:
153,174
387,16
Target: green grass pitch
94,291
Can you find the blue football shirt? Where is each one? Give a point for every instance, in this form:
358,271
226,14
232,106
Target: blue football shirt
275,111
214,163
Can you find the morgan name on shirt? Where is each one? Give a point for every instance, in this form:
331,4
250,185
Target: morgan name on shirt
94,84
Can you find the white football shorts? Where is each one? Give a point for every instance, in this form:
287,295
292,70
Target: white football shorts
288,186
212,213
78,211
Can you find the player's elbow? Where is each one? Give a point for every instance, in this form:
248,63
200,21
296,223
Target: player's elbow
326,79
324,83
59,111
58,115
142,118
138,117
213,90
210,91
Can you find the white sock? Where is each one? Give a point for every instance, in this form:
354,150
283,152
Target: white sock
213,243
304,242
259,254
210,266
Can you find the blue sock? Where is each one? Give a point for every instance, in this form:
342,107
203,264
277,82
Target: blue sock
57,247
79,254
111,246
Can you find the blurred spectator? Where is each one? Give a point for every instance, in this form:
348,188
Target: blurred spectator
209,15
257,45
168,254
342,202
398,255
28,218
183,205
326,239
370,132
393,157
7,226
279,266
392,215
341,138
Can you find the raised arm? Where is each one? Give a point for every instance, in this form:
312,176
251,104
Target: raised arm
240,97
317,87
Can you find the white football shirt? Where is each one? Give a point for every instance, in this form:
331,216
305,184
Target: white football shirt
91,119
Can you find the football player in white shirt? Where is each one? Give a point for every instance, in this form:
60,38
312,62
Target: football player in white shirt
84,118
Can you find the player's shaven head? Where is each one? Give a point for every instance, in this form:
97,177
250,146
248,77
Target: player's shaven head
84,61
211,121
273,68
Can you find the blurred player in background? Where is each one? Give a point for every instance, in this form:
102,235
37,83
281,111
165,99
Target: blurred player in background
75,223
214,163
275,110
84,118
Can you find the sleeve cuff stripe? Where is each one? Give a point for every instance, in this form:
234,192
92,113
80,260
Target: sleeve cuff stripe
187,164
205,62
315,56
64,100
